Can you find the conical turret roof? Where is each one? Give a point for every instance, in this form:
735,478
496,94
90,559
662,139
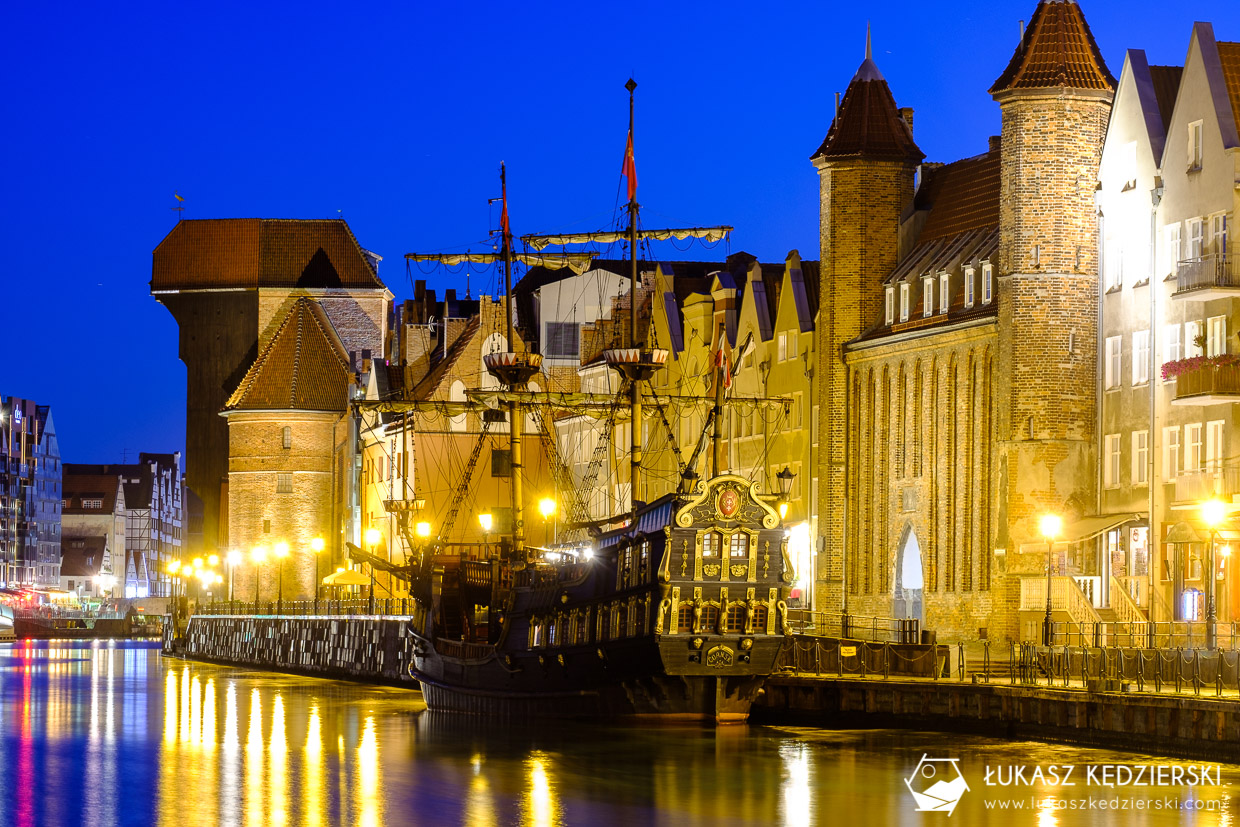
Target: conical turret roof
1058,50
869,124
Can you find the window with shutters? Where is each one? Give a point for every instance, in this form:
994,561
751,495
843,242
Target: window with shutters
563,340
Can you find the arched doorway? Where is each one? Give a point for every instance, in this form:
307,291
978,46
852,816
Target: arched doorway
910,585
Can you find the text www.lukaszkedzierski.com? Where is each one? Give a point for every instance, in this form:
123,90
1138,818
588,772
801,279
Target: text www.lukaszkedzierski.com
1162,803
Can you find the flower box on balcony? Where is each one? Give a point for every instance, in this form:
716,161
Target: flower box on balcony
1205,380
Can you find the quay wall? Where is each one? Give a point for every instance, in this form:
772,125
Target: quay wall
374,649
1187,726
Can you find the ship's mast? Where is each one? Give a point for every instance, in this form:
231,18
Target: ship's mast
635,418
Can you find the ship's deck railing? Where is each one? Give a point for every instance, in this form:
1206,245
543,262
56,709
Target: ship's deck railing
855,627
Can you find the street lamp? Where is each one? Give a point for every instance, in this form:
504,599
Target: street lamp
1050,525
258,555
316,545
546,507
372,539
281,551
784,478
234,557
486,521
1212,512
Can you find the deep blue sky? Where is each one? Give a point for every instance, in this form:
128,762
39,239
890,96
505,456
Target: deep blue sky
398,119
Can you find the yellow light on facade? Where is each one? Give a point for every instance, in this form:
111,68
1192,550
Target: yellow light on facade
422,529
281,549
197,562
317,544
213,560
234,557
486,521
1050,525
373,537
259,554
1213,511
546,507
219,578
174,567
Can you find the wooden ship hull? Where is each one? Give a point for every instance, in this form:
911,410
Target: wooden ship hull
682,618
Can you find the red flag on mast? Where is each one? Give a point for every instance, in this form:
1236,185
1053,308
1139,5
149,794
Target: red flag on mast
503,216
629,170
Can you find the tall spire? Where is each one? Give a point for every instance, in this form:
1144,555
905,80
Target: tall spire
868,54
1056,50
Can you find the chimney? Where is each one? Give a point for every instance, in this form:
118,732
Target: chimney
993,143
906,112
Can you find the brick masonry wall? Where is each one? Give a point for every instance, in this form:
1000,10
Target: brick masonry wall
358,316
860,206
257,458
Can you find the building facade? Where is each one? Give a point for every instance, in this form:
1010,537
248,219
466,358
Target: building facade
30,500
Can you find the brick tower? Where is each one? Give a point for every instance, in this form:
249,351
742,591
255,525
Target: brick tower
1055,97
866,168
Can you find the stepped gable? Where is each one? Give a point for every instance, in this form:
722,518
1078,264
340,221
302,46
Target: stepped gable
869,124
303,368
961,196
249,253
1058,49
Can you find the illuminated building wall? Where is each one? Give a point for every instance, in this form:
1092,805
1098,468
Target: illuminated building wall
30,502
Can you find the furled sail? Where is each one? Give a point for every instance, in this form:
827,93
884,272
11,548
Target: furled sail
577,262
538,242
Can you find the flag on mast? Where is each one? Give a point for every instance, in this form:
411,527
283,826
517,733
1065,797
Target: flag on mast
629,170
723,357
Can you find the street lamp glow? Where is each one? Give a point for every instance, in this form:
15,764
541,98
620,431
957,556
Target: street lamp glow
281,549
234,557
1213,511
373,537
259,554
422,529
546,507
174,567
486,521
197,562
317,544
783,509
1050,525
213,560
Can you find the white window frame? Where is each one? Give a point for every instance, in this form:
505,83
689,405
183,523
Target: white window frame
1196,238
782,355
1171,344
945,292
1171,453
904,300
968,287
1140,457
1114,346
1191,331
1174,251
988,283
1216,234
927,289
1192,447
1110,467
1140,357
1195,132
1215,436
891,305
1216,335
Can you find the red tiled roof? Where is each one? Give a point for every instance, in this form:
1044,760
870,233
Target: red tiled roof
1058,49
303,368
1229,59
1166,80
253,252
961,196
77,486
869,123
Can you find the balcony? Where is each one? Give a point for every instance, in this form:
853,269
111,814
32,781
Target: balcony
1194,487
1205,380
1208,277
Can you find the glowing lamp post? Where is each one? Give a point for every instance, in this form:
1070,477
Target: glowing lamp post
281,551
258,555
372,539
316,545
546,507
1212,512
1050,525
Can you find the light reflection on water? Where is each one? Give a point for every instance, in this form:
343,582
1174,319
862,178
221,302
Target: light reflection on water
111,734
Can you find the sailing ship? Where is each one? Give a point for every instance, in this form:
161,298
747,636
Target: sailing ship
678,611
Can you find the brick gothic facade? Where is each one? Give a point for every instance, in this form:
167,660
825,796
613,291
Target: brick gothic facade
958,340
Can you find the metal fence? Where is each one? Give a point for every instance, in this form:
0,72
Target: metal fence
1144,635
811,654
854,627
1110,668
389,606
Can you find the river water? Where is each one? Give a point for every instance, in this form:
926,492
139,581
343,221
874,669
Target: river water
111,733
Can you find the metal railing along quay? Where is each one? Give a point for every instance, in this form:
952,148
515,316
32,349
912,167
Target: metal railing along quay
389,606
855,627
1146,634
